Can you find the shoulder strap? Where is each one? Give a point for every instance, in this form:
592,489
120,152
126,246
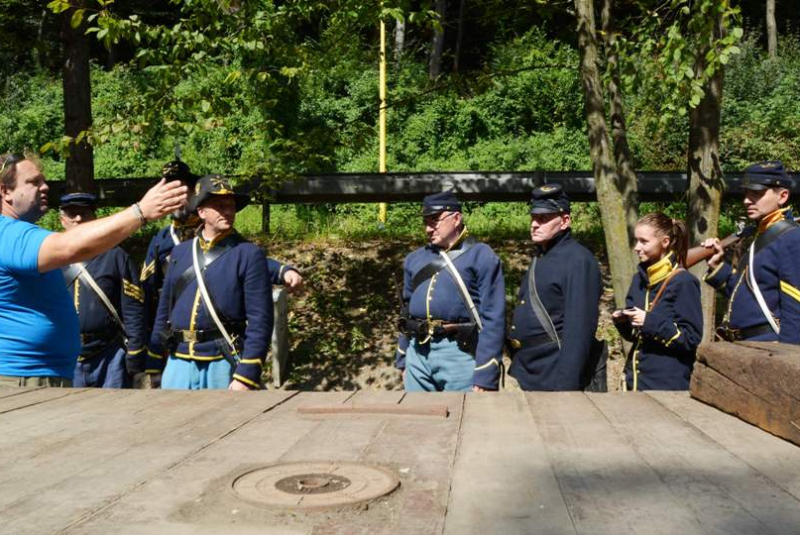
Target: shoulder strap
189,275
173,235
774,232
538,307
462,289
664,286
201,284
757,291
87,278
71,273
437,264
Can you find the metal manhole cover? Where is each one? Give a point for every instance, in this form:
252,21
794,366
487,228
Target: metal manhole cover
315,485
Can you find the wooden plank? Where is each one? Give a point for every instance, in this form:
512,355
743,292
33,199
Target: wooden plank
8,391
607,486
773,457
502,479
95,449
423,451
384,409
759,383
723,494
195,495
27,397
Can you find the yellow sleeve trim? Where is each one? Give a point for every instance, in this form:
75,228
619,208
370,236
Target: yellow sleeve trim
246,381
280,272
250,361
492,362
790,290
677,335
135,352
154,355
712,274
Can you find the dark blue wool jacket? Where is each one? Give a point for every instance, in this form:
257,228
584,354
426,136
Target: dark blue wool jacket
569,286
438,298
672,330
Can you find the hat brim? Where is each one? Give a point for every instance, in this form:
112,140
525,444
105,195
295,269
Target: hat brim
240,199
543,210
754,187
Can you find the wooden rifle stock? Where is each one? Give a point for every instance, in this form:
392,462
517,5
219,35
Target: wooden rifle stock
697,254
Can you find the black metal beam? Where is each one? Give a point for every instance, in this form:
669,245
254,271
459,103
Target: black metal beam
411,187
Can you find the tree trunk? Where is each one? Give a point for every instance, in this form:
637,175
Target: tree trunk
705,177
399,42
772,30
459,36
77,105
627,184
435,65
607,183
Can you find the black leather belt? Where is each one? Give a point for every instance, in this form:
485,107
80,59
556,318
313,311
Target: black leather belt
98,336
206,335
734,335
420,328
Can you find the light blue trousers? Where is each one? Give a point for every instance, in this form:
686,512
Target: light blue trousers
438,366
182,374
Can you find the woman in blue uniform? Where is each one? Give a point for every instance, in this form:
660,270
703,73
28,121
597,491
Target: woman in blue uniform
663,317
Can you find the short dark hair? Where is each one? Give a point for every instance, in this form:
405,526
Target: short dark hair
8,167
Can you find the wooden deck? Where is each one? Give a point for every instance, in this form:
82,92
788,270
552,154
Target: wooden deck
100,461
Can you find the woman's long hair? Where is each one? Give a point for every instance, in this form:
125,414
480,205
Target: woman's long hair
674,229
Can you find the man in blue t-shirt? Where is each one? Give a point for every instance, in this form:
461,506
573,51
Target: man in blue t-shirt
39,332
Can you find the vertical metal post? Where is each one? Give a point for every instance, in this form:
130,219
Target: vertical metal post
382,118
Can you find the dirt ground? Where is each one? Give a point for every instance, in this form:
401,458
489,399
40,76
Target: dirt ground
343,326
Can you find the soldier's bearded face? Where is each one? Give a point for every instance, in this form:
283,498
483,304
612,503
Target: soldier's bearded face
544,227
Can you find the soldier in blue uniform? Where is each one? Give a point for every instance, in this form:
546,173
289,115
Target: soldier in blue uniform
556,317
764,289
110,306
663,316
183,227
213,329
452,326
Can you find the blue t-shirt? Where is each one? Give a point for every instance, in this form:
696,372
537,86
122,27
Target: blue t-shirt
39,333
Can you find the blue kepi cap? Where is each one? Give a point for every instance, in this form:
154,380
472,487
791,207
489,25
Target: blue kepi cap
78,199
549,199
763,175
437,203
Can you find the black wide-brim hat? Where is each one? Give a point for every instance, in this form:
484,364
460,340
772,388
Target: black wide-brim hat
178,170
211,185
765,175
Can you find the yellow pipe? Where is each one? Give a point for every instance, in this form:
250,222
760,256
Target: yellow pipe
382,118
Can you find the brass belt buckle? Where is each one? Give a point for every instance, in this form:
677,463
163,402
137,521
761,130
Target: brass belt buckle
516,344
190,336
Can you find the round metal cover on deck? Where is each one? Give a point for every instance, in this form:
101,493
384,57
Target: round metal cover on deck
315,485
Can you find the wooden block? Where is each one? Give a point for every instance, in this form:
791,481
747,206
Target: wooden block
280,337
757,382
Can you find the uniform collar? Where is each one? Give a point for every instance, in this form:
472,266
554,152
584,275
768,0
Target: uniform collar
660,270
770,219
207,245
